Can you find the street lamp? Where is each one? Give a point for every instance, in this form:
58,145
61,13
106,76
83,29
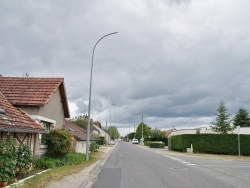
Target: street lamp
90,87
110,118
142,132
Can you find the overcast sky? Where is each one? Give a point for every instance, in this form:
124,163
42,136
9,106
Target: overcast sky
172,61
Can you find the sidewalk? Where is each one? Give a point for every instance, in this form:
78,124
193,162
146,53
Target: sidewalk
86,177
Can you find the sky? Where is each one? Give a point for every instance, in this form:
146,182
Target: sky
172,61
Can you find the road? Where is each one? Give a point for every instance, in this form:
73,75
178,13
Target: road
132,166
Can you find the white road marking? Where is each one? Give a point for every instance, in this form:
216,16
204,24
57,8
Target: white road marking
180,160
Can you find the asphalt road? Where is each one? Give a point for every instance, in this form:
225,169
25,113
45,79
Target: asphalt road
131,166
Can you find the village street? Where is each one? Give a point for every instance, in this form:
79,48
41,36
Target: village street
140,167
125,165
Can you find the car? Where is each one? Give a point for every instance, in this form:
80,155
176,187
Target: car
135,141
111,142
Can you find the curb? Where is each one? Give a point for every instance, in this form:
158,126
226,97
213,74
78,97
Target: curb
97,166
20,182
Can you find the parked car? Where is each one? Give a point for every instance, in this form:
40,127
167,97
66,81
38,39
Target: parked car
135,141
111,142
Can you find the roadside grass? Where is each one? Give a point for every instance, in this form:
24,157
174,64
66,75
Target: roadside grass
58,173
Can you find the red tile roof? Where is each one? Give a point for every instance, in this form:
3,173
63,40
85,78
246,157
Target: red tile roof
27,91
78,132
15,120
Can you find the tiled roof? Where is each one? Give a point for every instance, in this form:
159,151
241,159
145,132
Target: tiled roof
15,120
23,91
78,132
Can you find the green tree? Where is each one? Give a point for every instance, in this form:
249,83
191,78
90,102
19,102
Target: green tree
242,118
146,131
222,124
81,121
131,136
157,134
113,132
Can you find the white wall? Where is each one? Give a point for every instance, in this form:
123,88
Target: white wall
81,146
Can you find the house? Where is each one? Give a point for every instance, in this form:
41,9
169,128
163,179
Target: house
205,130
80,136
14,123
102,133
43,99
200,130
168,132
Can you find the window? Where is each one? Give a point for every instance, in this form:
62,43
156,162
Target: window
47,126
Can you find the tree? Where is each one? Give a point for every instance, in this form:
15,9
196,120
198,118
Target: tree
146,131
222,124
81,121
131,136
242,118
113,132
157,134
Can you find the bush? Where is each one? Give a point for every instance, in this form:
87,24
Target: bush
24,161
165,140
71,158
93,146
8,155
147,141
58,142
14,162
157,145
101,140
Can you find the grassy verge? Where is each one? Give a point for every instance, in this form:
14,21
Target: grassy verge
58,173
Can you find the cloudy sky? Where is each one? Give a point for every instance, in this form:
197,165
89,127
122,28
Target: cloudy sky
171,61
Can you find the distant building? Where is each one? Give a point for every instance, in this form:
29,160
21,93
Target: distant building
80,136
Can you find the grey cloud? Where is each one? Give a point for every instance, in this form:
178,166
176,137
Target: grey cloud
172,61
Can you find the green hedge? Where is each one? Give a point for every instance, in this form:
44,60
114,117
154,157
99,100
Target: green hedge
157,145
147,141
212,143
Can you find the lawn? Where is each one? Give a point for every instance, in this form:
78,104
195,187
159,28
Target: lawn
58,173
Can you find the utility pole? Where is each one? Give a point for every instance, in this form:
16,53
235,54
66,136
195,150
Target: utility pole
238,128
106,133
142,133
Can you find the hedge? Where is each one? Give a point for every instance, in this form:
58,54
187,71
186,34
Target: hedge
157,145
147,141
212,143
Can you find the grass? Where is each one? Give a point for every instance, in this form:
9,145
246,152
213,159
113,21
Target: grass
58,173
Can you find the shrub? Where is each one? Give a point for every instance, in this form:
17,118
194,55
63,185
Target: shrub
8,157
58,142
24,161
147,143
157,145
71,158
93,146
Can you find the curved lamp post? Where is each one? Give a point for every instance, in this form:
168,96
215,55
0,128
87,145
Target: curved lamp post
90,87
